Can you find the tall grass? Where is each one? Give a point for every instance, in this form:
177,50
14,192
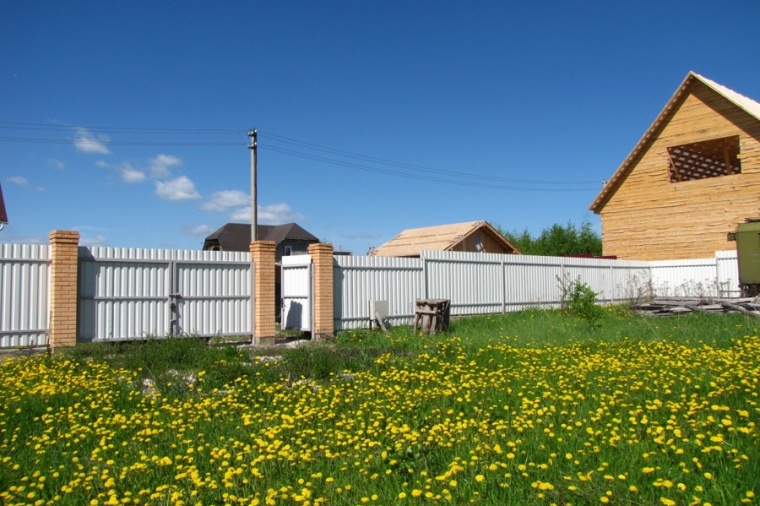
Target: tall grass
535,407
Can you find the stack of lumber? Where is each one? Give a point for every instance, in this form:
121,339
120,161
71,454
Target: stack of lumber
675,306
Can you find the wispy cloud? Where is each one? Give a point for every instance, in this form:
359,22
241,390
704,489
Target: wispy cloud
86,142
274,214
56,164
19,180
198,230
160,166
96,240
225,199
126,171
180,188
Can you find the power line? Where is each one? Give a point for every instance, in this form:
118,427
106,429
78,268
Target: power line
117,129
414,166
419,172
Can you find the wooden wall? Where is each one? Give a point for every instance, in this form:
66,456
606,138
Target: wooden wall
490,243
650,218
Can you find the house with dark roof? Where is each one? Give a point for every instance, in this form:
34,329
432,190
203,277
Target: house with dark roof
472,236
290,238
692,178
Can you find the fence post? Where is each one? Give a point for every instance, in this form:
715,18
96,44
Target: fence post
322,259
64,256
263,257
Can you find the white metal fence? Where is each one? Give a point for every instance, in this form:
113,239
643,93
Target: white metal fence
24,281
297,293
128,293
133,293
478,283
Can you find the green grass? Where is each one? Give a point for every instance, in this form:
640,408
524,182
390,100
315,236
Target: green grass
535,407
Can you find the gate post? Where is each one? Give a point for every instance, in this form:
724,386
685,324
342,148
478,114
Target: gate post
263,257
64,257
322,259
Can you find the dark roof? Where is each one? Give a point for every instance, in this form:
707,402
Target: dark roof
237,236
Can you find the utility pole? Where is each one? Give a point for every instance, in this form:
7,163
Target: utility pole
252,145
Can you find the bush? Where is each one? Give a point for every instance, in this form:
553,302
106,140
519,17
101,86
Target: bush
579,300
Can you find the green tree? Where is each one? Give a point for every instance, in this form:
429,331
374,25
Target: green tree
557,240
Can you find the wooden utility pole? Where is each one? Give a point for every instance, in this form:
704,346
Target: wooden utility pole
252,145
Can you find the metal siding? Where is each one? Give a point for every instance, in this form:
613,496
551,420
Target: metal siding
359,280
685,278
215,289
476,283
728,273
125,293
24,295
296,292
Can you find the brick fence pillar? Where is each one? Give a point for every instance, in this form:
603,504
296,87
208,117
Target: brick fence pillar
263,256
322,258
64,257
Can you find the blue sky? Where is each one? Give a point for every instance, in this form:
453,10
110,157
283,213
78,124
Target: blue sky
127,121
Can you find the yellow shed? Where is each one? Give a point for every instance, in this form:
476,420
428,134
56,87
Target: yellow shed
690,180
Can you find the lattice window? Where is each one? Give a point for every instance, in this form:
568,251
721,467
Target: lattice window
702,160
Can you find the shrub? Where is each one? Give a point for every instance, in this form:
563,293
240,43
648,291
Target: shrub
579,300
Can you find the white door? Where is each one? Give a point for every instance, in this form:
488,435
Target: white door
296,293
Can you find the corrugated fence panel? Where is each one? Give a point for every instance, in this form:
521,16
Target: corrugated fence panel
123,293
296,292
685,278
728,273
473,282
612,280
24,296
487,283
531,281
126,293
359,280
214,290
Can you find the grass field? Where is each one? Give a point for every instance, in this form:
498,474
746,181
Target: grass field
535,407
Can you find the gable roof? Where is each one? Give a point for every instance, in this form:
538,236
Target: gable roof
438,238
747,104
237,236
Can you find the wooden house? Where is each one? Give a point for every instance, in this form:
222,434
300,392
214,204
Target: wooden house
473,236
690,180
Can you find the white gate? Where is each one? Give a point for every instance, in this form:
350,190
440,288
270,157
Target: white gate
297,289
127,294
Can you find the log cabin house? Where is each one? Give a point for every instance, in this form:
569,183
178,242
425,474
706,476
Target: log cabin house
690,180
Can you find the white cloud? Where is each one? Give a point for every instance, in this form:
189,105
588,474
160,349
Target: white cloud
160,165
275,214
21,181
56,164
180,188
97,240
126,171
224,199
131,175
86,142
199,230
